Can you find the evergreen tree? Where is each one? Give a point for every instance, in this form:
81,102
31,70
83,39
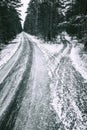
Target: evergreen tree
9,19
47,18
31,21
43,17
76,16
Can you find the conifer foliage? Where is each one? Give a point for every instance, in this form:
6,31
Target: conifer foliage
48,18
43,17
9,19
77,18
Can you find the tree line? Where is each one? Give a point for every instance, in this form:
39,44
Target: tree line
10,24
48,18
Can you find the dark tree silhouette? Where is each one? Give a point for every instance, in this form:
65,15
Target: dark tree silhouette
43,18
10,24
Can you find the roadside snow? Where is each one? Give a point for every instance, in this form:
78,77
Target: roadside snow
9,51
79,60
52,48
77,55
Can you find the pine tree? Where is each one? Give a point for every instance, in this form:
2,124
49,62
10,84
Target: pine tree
31,21
42,18
76,16
9,19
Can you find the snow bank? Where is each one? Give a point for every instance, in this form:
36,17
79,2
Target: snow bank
79,60
49,46
8,51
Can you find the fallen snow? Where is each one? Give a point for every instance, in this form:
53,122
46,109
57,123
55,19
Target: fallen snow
9,51
79,60
61,95
49,50
48,46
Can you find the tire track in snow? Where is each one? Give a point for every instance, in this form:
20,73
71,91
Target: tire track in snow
13,88
32,101
10,63
65,96
68,92
36,112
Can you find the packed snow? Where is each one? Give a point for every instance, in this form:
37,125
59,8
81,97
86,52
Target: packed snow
9,51
49,82
77,55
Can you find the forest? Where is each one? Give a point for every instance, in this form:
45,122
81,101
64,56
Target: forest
43,70
10,24
45,19
48,18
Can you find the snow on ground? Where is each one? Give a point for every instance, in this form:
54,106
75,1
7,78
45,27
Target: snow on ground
8,51
52,48
79,60
2,46
50,51
77,55
64,88
11,87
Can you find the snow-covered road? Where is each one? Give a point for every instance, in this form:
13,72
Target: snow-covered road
41,88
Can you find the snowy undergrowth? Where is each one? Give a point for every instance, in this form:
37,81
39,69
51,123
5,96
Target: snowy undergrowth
52,52
50,47
78,55
9,51
79,60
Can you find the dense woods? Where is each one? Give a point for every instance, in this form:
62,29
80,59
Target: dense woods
45,18
76,17
9,20
48,18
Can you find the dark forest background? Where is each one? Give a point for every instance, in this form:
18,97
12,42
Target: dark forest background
45,19
48,18
10,24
